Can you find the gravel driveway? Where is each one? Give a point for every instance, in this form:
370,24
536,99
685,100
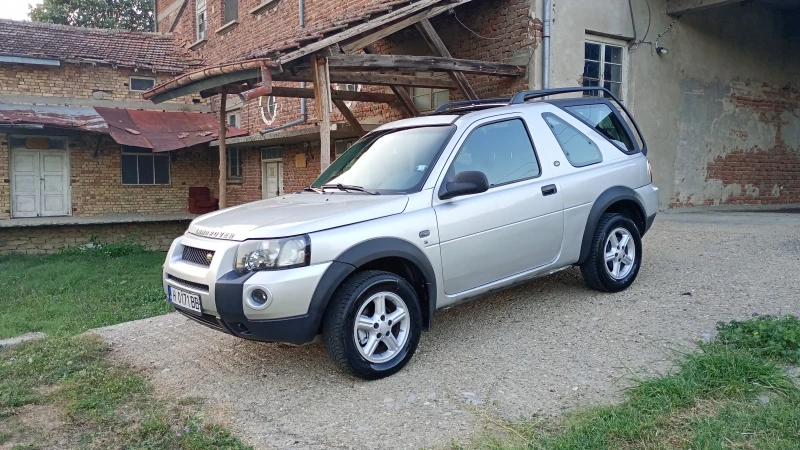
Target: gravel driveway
543,347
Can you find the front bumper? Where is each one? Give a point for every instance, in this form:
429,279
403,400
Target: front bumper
288,316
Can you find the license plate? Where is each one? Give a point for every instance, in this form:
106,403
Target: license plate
184,299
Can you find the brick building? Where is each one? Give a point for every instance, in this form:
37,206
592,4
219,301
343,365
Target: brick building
718,107
64,175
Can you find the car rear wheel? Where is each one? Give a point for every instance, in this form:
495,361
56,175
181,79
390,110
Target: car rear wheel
373,324
615,256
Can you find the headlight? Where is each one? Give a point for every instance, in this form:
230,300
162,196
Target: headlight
273,254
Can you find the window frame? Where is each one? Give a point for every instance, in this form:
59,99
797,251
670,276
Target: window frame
545,115
200,9
237,113
603,42
452,162
430,92
151,154
229,165
265,107
130,83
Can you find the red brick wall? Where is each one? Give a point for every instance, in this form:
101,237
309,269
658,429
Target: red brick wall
96,181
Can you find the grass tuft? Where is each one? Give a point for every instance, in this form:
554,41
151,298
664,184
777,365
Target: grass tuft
101,405
724,396
768,337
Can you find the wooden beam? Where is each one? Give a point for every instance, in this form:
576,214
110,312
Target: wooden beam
383,32
406,100
348,115
223,153
435,42
322,97
350,96
370,78
423,64
356,30
678,7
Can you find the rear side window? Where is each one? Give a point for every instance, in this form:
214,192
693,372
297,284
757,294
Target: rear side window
501,150
603,119
579,149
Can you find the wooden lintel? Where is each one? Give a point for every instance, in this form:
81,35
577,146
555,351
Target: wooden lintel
351,119
423,64
371,78
437,45
369,97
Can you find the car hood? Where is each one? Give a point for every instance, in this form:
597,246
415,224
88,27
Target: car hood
295,214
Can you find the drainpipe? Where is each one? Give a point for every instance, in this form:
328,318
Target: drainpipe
303,113
548,7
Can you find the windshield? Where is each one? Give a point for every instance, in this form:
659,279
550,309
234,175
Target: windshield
391,162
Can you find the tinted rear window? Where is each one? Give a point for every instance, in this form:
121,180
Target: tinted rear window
605,122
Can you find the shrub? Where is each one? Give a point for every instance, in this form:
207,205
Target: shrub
776,338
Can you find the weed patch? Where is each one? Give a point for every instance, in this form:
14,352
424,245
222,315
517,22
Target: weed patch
770,337
98,404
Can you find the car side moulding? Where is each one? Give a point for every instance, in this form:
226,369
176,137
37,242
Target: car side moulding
363,253
604,201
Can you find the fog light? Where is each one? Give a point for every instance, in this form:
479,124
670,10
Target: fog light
258,298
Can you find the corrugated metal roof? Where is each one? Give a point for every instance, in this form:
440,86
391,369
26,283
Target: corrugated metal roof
67,117
162,130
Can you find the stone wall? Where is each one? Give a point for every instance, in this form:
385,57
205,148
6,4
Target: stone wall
155,236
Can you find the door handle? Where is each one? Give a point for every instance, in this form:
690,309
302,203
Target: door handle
550,189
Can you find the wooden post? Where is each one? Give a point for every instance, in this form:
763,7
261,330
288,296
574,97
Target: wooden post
322,97
223,154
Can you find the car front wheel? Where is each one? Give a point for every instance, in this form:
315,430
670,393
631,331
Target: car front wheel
615,256
373,324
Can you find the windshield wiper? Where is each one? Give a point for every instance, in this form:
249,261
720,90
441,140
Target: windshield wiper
313,189
348,187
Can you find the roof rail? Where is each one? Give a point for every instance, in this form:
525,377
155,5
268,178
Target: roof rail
483,101
524,96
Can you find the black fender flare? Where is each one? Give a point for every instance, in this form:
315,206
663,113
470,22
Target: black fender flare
607,198
363,253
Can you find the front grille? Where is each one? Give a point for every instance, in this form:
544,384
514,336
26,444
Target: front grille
198,256
189,284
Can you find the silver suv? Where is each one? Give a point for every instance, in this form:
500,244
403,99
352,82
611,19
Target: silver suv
422,214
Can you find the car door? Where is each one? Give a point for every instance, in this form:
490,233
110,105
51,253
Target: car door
515,226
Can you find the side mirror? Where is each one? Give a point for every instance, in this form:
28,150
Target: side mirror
466,183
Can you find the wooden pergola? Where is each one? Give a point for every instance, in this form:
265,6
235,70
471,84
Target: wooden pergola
338,51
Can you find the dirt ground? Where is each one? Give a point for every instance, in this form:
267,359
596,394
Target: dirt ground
543,347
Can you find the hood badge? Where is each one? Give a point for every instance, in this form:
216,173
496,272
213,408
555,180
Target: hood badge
213,234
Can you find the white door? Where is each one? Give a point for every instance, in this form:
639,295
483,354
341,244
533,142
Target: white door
272,179
40,183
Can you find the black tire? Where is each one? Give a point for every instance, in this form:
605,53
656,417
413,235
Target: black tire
594,268
339,322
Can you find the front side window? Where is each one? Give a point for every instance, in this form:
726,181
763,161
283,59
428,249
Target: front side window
140,166
200,20
577,147
234,163
605,122
502,151
389,162
603,66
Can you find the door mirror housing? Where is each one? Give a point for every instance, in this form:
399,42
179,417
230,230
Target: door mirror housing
466,183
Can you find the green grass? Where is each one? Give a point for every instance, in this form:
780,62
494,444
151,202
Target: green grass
79,289
766,336
96,404
723,396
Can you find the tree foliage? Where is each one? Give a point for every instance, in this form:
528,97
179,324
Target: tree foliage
135,15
